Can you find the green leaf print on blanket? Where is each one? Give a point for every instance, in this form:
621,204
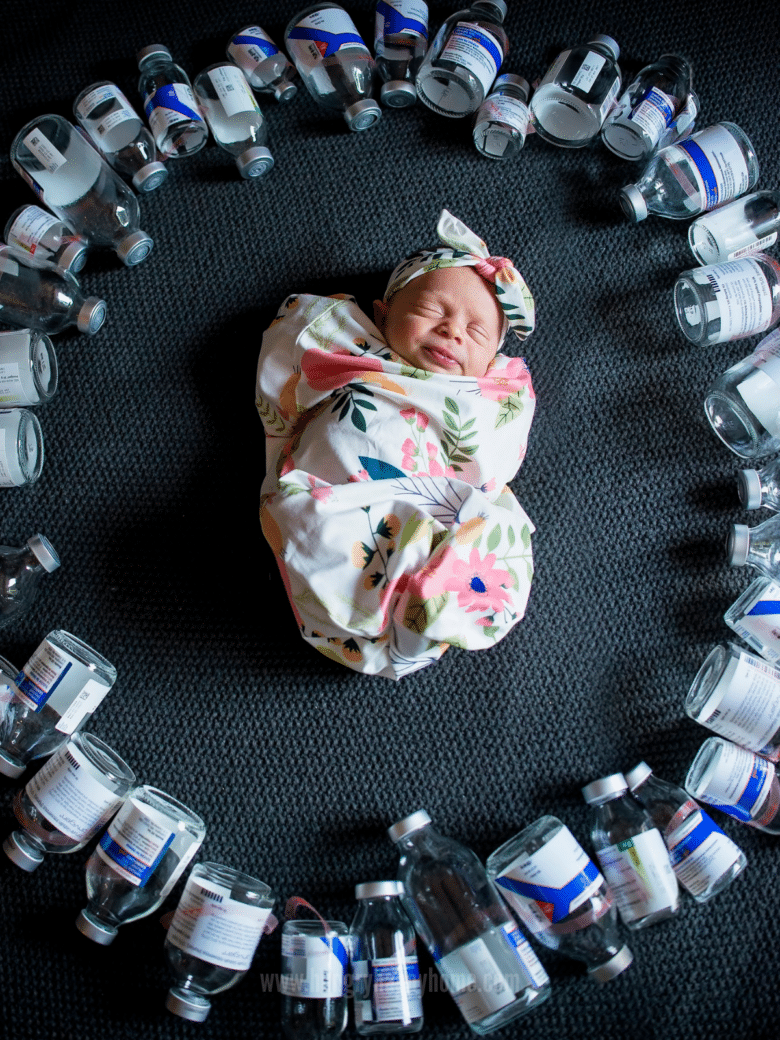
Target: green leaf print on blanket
454,447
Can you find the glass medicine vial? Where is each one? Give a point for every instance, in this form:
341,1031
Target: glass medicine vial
170,106
501,122
21,447
723,302
41,234
266,68
737,782
315,960
755,617
20,573
760,487
28,368
400,42
740,228
646,111
234,118
42,297
743,404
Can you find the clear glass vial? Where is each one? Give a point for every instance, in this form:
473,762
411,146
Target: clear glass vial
169,104
234,118
723,302
464,59
647,108
71,797
46,237
737,782
213,935
118,133
561,897
39,296
757,547
760,487
740,228
265,66
501,122
755,617
385,973
400,42
737,695
28,368
140,857
743,404
54,694
573,97
20,572
315,961
21,448
632,854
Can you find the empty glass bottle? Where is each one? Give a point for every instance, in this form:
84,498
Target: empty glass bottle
169,104
755,617
54,694
737,695
215,930
711,167
37,295
703,857
724,302
28,368
737,782
20,572
45,236
385,973
647,108
400,41
738,229
140,857
21,448
743,404
632,854
315,961
488,967
334,63
71,797
757,547
561,897
501,122
573,97
266,68
77,184
234,117
118,133
760,487
464,59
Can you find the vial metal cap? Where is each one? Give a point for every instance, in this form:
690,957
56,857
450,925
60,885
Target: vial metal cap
8,767
73,257
376,889
408,825
154,48
749,488
607,787
44,552
192,1007
638,775
254,162
633,203
495,6
24,858
150,176
134,248
398,93
91,316
613,967
608,43
363,114
102,934
510,79
738,544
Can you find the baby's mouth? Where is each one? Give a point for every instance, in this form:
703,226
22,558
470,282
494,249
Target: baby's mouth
442,357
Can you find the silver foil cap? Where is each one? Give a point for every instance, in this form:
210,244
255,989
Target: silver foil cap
377,889
408,825
638,775
607,787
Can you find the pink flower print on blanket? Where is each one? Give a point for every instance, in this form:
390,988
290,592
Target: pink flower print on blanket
479,584
326,370
500,383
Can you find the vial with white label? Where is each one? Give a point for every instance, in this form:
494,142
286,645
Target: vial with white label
140,857
170,107
313,982
760,487
400,42
561,897
334,63
385,973
501,122
28,368
265,66
572,99
36,295
740,228
713,166
703,857
117,131
20,572
234,117
76,183
213,935
738,782
648,107
737,695
743,404
71,797
755,617
632,854
21,448
723,302
54,694
487,965
45,236
464,59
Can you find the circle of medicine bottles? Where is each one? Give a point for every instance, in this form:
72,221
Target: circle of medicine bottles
73,795
313,980
21,447
743,404
28,368
213,935
724,302
741,227
234,118
501,122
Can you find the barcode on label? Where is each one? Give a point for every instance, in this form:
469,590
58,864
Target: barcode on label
229,87
72,760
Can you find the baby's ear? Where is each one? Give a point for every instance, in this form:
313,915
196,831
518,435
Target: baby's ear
380,314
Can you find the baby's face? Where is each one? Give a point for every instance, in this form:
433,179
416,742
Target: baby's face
446,321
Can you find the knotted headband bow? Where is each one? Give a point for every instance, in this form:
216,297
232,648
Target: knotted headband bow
468,250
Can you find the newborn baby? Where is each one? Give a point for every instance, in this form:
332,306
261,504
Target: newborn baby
388,448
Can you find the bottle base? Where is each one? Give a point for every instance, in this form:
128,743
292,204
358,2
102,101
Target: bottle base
735,426
447,95
509,1013
654,918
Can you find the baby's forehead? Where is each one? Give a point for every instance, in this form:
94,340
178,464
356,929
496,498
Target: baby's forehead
455,280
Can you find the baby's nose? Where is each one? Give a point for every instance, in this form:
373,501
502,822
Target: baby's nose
450,328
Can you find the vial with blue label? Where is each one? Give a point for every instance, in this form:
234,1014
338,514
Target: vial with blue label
71,797
648,107
736,781
116,130
740,228
36,295
743,404
213,935
313,982
21,447
46,237
234,117
400,42
170,107
140,857
385,973
54,694
20,573
28,368
703,857
561,897
759,488
265,66
464,59
488,967
755,617
501,122
724,302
